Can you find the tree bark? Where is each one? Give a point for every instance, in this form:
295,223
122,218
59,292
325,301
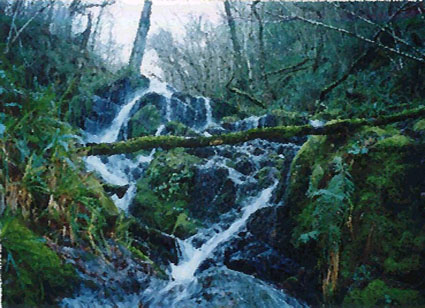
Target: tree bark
277,134
139,45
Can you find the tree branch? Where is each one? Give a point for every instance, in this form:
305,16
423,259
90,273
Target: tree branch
248,96
290,69
382,29
277,134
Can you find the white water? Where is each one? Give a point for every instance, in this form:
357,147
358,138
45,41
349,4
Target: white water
210,121
111,134
184,272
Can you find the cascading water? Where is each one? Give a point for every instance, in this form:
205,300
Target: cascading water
200,278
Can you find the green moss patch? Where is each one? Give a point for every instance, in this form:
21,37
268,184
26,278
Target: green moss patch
32,273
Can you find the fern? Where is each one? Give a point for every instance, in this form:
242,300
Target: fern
331,206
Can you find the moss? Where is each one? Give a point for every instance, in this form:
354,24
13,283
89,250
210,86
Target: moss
32,273
144,122
307,157
335,128
396,141
230,119
378,293
169,216
419,126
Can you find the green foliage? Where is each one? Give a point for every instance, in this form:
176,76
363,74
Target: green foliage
179,129
42,180
376,228
32,273
170,216
378,293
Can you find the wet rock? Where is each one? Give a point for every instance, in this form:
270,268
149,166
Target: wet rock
268,121
244,165
213,192
256,258
118,91
115,189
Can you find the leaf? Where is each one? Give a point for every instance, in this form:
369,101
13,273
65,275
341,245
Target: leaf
306,237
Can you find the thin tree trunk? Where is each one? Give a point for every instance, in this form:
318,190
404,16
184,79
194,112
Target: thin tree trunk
241,68
262,54
276,134
139,45
85,36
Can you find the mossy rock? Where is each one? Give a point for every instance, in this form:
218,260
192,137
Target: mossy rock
230,119
32,273
144,122
164,192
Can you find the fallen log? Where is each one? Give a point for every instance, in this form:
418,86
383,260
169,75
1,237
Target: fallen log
277,134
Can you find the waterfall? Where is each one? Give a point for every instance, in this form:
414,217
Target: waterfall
246,171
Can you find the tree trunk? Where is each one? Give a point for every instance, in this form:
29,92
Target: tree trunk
139,45
277,134
241,67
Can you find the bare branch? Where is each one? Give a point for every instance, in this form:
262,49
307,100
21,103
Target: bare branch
382,29
360,37
290,69
351,69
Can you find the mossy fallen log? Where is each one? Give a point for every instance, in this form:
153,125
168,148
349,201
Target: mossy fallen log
277,134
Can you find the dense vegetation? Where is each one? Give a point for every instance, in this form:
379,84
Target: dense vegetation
354,214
